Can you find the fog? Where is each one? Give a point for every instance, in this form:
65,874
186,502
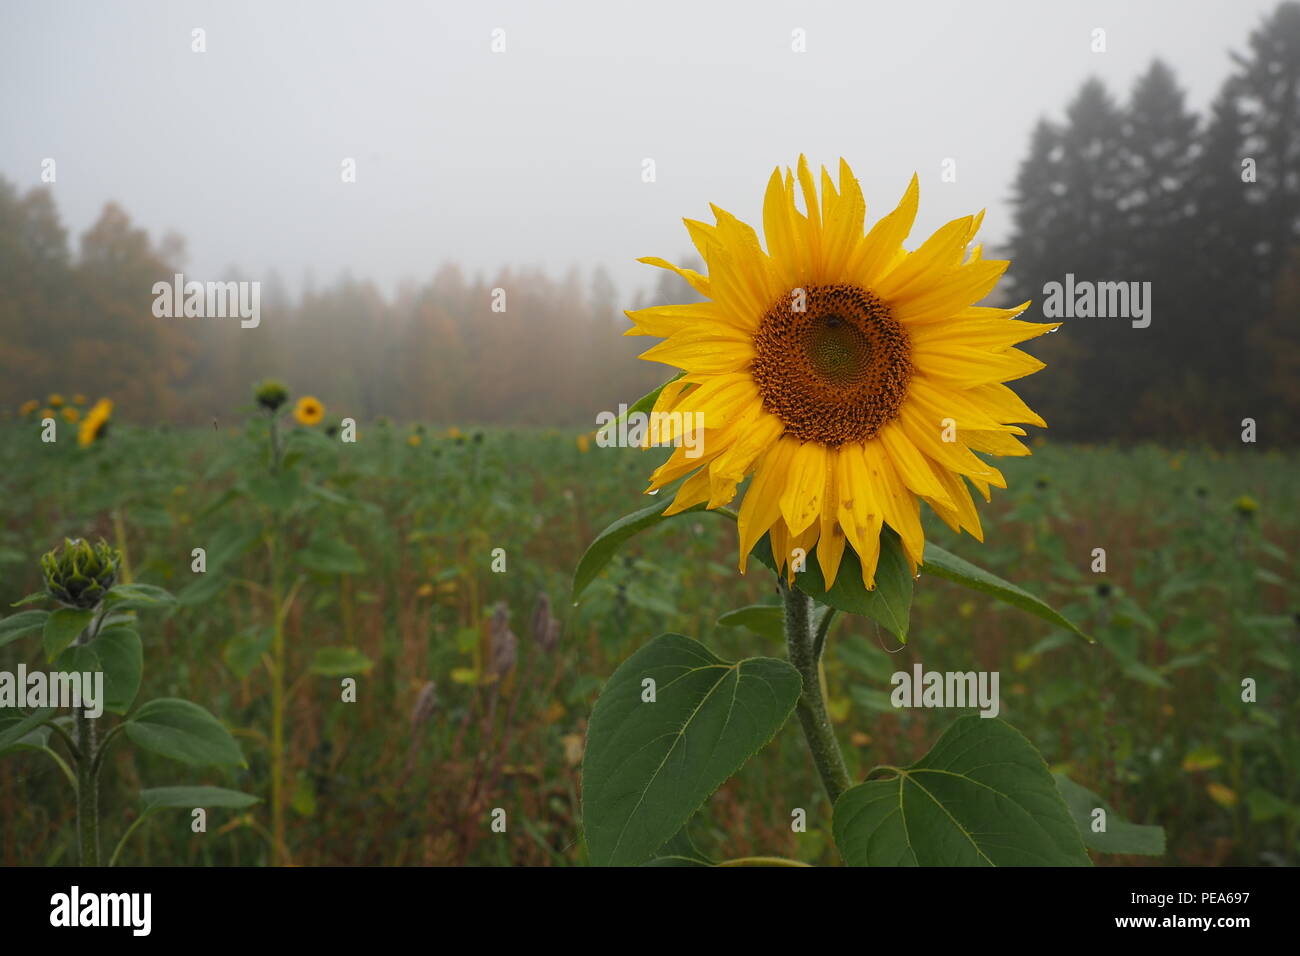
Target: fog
534,155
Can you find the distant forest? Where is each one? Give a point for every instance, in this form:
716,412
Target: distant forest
1204,208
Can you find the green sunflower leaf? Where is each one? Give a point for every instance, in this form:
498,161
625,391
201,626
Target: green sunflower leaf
185,732
63,627
1119,836
13,731
121,653
982,796
679,851
189,798
330,555
945,564
602,550
651,763
24,622
124,597
766,620
889,604
340,662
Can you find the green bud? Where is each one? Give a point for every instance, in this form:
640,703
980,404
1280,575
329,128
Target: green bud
78,574
271,394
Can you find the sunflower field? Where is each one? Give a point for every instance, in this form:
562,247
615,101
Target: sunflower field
475,685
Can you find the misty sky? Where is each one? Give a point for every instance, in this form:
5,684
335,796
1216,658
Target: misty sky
533,156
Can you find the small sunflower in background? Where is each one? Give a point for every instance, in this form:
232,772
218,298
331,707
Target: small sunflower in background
308,411
584,443
413,440
94,426
78,399
55,401
27,407
45,413
71,415
852,378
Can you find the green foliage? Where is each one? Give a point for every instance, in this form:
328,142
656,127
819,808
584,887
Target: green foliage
62,628
675,721
183,731
157,798
888,604
1115,835
607,544
981,796
340,662
650,763
945,564
1196,596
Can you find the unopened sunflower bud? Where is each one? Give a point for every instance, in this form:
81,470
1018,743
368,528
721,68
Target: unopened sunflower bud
78,574
271,394
546,629
505,646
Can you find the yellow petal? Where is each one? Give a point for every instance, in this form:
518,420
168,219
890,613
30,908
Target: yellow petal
884,243
761,507
697,282
801,498
937,256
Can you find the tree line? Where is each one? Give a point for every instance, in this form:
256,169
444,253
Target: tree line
1206,209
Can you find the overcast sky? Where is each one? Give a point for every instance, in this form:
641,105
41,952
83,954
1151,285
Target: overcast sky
533,156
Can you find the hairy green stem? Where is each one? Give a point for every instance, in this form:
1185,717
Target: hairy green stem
817,729
87,768
87,791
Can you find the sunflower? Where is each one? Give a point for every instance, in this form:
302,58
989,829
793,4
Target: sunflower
308,411
95,425
71,415
55,400
27,407
850,377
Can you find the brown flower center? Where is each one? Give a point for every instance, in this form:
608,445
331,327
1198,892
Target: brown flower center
835,372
